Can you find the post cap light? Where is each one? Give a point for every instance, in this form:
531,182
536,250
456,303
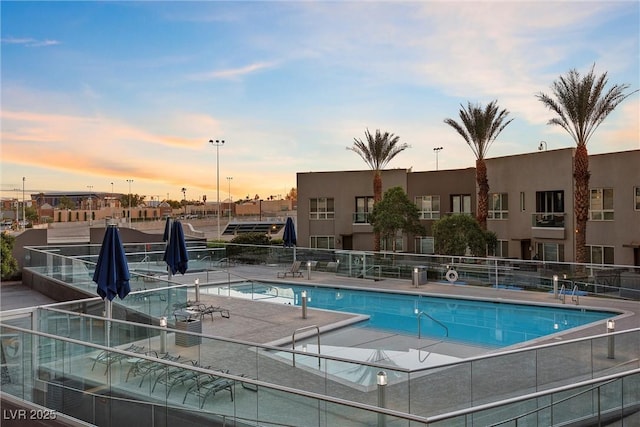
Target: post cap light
304,294
197,280
611,324
415,269
382,378
163,322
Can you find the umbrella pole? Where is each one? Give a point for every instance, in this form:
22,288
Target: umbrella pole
108,316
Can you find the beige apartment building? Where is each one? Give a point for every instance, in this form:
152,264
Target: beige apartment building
531,201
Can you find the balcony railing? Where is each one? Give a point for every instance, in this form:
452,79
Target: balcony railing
361,217
548,219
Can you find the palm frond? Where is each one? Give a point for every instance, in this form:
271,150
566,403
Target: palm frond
379,149
582,103
479,126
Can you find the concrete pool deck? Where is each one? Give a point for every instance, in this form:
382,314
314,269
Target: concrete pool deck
275,323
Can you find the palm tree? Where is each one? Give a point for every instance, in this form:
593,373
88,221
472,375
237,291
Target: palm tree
377,151
479,128
582,103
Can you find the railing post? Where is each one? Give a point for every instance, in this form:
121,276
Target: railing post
304,304
611,339
382,385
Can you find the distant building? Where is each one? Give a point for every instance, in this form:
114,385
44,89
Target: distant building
531,205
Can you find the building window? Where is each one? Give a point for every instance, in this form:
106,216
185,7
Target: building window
549,209
429,207
322,242
600,254
550,201
387,244
636,191
364,206
425,245
321,208
461,203
522,205
553,252
601,204
499,206
502,249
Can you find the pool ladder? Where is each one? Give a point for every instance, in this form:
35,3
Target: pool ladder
574,294
293,342
422,313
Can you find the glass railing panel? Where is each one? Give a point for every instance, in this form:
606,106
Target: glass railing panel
503,377
511,415
555,368
426,396
16,369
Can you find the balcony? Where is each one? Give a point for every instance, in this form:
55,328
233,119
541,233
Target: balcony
360,217
548,225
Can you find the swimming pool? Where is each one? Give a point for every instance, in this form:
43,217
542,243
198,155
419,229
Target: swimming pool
492,324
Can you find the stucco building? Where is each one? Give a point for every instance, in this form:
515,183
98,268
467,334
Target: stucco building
531,205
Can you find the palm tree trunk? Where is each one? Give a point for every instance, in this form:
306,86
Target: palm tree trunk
377,196
581,175
483,193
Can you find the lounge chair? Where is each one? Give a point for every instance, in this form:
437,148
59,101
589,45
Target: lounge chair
209,385
294,271
108,358
210,310
175,375
146,368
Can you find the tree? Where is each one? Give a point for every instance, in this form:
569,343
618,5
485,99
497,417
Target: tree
377,151
581,104
136,200
292,195
454,234
395,212
9,265
66,203
480,127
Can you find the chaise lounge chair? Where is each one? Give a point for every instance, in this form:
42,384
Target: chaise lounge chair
209,385
210,310
294,271
108,358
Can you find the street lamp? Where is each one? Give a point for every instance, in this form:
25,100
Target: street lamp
90,187
184,200
543,145
24,217
229,178
217,143
129,181
437,150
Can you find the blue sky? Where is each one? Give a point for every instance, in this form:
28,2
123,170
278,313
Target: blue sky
97,93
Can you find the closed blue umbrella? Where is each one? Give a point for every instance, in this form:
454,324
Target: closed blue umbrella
289,235
167,230
175,255
112,270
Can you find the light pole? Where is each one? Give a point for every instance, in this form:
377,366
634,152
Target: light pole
437,150
217,143
129,181
184,200
229,178
90,187
24,217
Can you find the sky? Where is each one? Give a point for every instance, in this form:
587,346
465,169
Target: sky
94,94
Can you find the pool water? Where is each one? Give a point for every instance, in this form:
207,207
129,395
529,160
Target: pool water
479,322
